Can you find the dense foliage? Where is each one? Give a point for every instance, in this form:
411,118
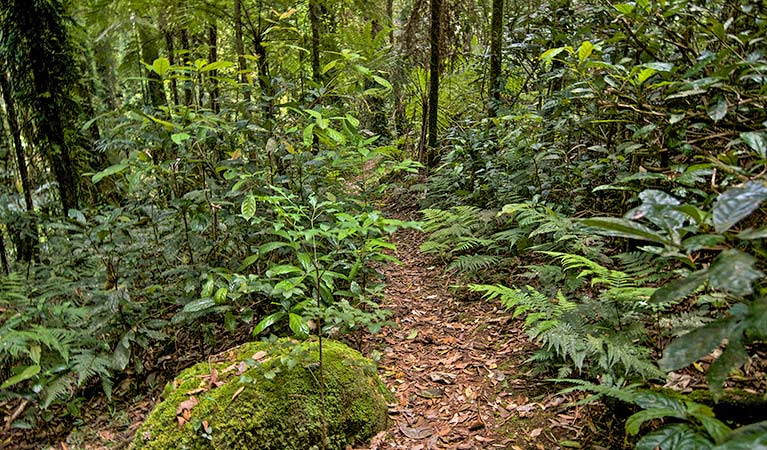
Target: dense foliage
191,174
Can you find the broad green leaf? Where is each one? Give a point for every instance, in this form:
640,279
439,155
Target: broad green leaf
199,305
737,203
702,241
383,82
659,66
179,138
757,140
634,422
585,50
734,272
750,233
660,209
160,66
267,322
624,8
660,400
121,355
269,246
336,136
696,344
715,428
679,288
551,53
615,227
207,288
718,108
27,373
247,262
298,326
677,436
77,215
111,170
216,66
749,437
248,207
733,356
220,295
645,74
308,135
282,269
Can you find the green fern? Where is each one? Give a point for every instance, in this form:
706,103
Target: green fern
586,335
473,263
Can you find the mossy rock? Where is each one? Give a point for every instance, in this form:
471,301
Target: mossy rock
267,396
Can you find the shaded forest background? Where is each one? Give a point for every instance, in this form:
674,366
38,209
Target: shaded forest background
180,176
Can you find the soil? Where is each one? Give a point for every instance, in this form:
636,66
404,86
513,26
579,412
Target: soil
456,369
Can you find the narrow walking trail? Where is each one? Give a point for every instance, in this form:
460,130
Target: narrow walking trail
456,368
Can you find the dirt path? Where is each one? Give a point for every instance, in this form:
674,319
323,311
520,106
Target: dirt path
456,369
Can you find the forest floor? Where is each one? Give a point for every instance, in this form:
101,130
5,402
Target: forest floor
456,368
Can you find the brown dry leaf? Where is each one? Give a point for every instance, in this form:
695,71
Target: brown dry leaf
431,393
443,377
416,433
206,426
197,391
242,367
187,404
259,356
106,435
183,411
536,432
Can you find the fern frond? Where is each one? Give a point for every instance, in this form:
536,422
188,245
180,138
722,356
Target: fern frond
87,364
58,388
473,263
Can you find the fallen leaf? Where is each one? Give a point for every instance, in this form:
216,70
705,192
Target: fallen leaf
259,356
242,367
431,393
416,433
187,405
536,432
443,377
238,392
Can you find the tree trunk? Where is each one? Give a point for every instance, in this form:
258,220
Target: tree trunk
434,61
496,39
26,239
213,57
149,53
390,15
239,48
105,68
171,48
314,19
187,61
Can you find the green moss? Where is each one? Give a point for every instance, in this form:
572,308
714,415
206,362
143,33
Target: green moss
281,413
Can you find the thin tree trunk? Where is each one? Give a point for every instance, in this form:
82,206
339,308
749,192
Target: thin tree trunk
390,15
186,58
314,19
171,47
149,53
27,238
105,68
496,39
213,57
3,256
434,61
239,48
